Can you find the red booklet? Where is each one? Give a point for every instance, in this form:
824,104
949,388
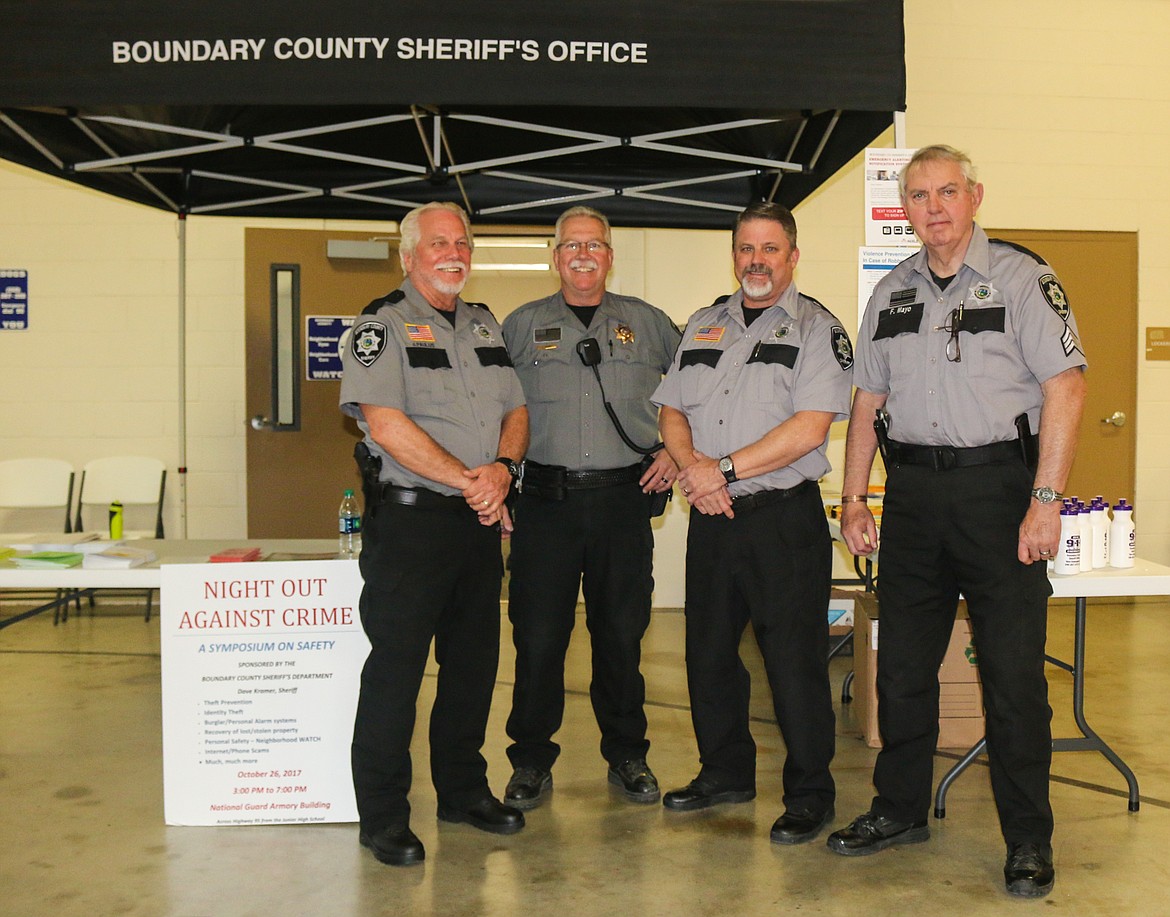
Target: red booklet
234,555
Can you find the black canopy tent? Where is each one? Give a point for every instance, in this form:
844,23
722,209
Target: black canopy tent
662,114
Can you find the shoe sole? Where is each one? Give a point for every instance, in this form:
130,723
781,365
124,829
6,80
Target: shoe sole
793,839
909,836
712,800
1027,888
643,798
461,818
402,860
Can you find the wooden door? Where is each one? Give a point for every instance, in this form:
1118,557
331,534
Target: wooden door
298,471
1098,271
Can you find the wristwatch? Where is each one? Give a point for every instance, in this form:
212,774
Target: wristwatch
727,466
1046,494
513,468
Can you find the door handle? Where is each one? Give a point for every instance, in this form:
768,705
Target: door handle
1117,418
260,422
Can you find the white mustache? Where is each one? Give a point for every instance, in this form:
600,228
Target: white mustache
580,264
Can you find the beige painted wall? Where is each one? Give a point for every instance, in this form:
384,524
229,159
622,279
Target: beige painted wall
1063,105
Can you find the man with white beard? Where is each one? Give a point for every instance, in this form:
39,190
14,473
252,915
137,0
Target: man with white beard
583,513
746,409
430,384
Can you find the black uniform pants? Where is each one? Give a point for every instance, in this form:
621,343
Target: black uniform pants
946,532
428,574
598,541
770,565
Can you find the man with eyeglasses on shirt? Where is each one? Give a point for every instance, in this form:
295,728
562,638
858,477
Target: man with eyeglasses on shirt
583,513
969,345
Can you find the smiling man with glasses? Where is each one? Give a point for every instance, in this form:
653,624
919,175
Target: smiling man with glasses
583,514
967,347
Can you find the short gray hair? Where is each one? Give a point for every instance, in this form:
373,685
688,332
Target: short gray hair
408,229
938,152
582,211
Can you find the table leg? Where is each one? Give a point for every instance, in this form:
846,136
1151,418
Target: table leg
1087,741
63,599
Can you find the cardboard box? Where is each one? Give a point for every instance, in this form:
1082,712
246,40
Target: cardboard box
960,721
841,611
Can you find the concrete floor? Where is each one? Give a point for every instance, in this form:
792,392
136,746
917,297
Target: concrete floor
82,833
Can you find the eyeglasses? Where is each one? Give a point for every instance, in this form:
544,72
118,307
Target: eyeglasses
952,327
574,248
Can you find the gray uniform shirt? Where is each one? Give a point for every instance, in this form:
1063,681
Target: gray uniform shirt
736,383
1016,332
567,419
455,383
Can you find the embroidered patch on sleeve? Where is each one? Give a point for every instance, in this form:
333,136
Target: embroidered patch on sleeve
1070,342
368,341
842,348
1054,294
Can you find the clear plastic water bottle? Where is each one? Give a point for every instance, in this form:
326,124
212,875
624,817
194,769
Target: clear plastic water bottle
1068,552
1122,539
1099,516
349,527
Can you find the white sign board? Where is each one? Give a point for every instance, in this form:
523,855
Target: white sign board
885,220
261,664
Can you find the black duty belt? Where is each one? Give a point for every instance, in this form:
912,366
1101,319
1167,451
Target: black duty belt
767,497
420,497
944,458
551,481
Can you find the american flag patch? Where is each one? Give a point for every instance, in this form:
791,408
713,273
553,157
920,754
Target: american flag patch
711,333
420,333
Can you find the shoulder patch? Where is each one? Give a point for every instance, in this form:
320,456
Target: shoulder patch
391,298
842,348
368,341
1054,295
1023,251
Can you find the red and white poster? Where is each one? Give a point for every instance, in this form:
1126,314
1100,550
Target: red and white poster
885,220
261,664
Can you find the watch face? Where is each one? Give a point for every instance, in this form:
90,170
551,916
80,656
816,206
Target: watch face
725,465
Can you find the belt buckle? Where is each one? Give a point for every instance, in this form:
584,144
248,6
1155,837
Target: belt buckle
944,458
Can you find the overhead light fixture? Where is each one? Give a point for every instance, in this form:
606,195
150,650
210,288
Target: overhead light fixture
358,249
501,266
511,242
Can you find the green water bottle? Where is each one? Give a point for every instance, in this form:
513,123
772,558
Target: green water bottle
115,521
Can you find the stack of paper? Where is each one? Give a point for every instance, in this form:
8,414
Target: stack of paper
48,559
233,555
74,542
118,558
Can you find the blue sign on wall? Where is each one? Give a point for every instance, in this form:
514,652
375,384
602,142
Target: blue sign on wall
323,353
13,299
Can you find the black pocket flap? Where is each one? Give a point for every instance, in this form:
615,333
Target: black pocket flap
785,354
428,358
493,356
706,356
976,320
898,320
